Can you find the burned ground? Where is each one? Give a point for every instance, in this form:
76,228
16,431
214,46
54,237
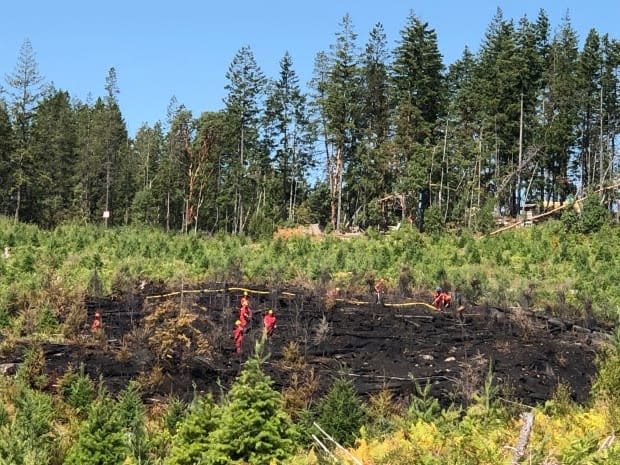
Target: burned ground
379,347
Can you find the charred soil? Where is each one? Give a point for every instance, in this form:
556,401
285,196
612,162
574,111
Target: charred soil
175,342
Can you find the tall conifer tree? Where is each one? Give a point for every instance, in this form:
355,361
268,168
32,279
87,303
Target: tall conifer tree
246,88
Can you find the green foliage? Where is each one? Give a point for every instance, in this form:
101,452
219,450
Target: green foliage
606,386
483,220
173,414
101,439
29,438
132,416
341,413
77,389
254,428
423,406
31,370
433,219
192,438
251,425
594,215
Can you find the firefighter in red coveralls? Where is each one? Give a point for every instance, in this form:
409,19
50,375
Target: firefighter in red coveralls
238,336
269,322
380,290
96,323
245,303
441,299
245,312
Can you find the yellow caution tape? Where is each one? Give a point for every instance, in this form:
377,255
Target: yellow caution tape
288,294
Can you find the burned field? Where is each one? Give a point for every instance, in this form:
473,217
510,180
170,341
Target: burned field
175,342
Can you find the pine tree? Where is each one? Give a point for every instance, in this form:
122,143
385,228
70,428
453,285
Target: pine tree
369,176
341,111
192,438
559,114
589,76
610,108
254,428
101,437
121,182
341,413
148,149
290,138
419,103
29,438
54,149
500,84
131,416
246,169
26,85
6,149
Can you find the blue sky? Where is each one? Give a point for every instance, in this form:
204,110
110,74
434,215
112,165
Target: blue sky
184,47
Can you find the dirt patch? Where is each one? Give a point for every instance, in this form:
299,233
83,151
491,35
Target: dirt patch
377,346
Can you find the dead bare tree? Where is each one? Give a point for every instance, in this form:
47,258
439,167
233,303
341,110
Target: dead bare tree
197,175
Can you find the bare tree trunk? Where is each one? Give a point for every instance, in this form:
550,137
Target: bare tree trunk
339,163
601,154
18,202
520,158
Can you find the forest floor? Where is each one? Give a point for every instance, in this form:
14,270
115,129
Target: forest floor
377,346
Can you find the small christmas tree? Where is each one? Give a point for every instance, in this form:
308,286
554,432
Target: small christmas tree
192,438
254,427
341,413
100,440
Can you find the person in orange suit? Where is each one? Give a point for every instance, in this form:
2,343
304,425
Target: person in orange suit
333,294
245,303
380,290
269,322
441,299
238,336
96,324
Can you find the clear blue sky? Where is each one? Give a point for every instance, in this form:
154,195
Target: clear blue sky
184,47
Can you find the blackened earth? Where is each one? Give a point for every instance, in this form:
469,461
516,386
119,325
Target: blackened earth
527,354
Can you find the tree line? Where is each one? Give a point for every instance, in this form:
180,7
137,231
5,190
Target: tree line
381,135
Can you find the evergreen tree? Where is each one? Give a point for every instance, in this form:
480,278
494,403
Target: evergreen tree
192,438
101,439
610,109
500,86
254,428
419,101
466,167
369,176
559,115
29,438
318,113
170,179
54,149
148,149
131,416
342,112
290,138
121,182
589,82
6,150
26,85
341,413
246,167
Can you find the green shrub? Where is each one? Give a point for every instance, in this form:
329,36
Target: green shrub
341,413
77,389
101,439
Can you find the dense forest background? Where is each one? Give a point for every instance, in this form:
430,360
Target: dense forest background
381,136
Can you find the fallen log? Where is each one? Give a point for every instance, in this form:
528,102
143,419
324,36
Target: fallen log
524,437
